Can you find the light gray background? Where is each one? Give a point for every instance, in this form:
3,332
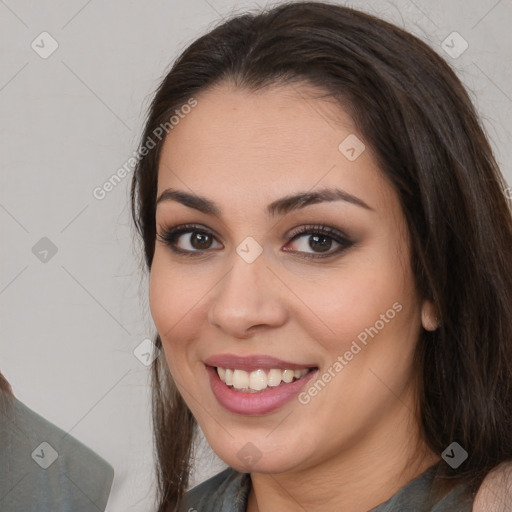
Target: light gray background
68,122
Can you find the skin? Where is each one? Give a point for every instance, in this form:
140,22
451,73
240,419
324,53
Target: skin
356,443
495,493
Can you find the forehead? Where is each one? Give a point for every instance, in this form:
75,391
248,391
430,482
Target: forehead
260,145
277,124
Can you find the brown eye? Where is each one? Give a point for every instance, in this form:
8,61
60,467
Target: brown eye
319,239
200,240
320,242
187,239
192,240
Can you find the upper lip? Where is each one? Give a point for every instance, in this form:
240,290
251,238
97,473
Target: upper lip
254,362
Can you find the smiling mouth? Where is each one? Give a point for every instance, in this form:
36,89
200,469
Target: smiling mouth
261,380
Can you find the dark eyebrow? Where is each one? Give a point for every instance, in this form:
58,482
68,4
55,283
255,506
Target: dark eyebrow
279,207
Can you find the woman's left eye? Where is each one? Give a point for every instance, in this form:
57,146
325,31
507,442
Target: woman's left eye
318,238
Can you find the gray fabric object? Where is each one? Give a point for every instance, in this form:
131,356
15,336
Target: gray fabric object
228,491
43,469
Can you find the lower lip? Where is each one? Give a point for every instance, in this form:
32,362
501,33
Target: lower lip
255,403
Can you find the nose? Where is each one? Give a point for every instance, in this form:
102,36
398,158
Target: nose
248,298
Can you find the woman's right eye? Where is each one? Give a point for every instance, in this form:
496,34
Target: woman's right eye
194,240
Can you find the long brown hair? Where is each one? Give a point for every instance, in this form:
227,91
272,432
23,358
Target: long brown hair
413,111
5,386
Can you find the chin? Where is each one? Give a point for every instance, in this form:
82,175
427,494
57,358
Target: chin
248,458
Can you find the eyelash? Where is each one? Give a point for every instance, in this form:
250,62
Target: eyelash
170,235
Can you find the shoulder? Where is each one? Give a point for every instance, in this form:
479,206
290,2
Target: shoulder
46,469
495,492
226,491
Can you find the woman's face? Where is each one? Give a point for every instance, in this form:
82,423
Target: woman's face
251,292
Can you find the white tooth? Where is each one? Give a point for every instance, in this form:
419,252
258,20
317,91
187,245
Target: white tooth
240,379
222,374
303,372
287,376
258,380
297,374
229,377
274,377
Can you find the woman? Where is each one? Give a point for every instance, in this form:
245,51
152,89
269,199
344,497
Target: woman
43,469
329,247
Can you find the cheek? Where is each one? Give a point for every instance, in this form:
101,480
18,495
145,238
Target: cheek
172,295
176,300
169,308
368,328
159,296
363,301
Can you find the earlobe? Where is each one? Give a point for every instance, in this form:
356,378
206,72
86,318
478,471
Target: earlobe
429,316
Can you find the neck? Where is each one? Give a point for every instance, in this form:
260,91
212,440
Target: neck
357,478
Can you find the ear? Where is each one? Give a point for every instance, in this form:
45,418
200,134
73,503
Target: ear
429,316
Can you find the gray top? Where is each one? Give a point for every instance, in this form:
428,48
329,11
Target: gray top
228,491
42,469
